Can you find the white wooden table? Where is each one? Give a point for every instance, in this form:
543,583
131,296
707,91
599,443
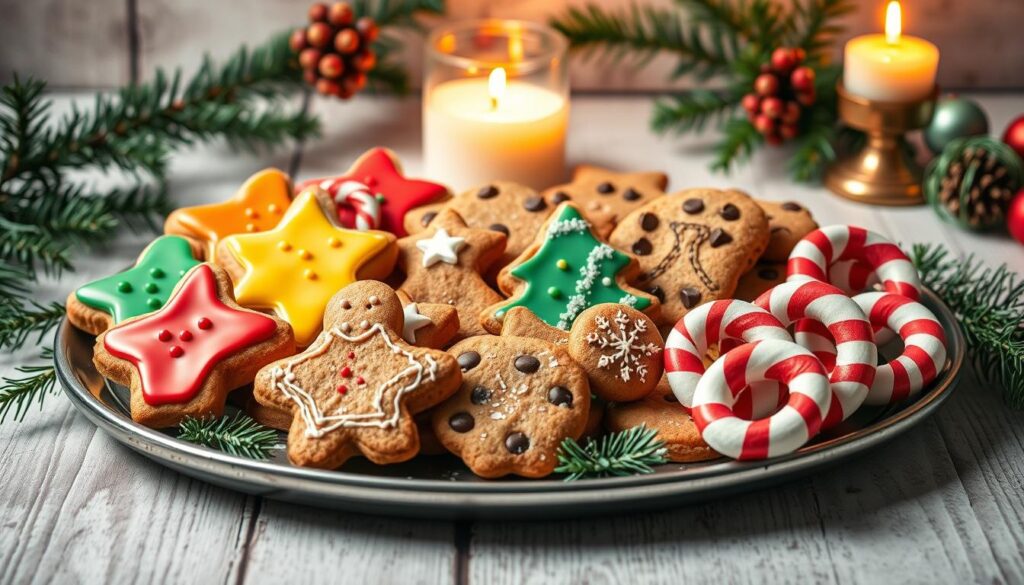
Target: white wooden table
944,503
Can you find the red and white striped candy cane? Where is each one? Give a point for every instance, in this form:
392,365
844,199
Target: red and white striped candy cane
853,368
814,256
783,362
358,207
720,322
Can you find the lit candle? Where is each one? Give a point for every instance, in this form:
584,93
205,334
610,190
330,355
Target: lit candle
890,67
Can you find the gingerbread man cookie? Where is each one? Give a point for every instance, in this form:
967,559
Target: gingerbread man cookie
183,359
788,223
605,196
356,390
620,348
443,265
519,399
295,268
693,246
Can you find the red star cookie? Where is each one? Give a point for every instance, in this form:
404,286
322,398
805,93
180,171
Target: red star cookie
183,359
379,171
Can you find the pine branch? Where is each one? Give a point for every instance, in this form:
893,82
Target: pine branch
18,394
755,22
29,246
396,13
240,436
19,321
989,304
691,111
628,452
738,144
814,151
811,25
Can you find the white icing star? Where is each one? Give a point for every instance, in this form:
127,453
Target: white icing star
414,321
440,248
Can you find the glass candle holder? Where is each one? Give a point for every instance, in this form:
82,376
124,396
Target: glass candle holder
495,104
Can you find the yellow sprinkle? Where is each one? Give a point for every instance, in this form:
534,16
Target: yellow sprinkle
284,246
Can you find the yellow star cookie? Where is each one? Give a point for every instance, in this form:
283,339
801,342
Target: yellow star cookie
257,207
295,268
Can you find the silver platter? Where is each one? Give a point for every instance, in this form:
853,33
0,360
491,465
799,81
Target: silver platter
441,487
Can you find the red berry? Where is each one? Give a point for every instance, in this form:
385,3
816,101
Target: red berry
783,60
788,131
806,98
772,107
354,82
319,34
802,79
764,124
347,41
766,84
310,76
800,55
297,41
751,103
773,139
792,113
368,29
340,14
365,61
327,86
309,58
331,66
318,12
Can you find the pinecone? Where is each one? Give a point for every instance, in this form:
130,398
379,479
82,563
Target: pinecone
781,92
335,49
973,181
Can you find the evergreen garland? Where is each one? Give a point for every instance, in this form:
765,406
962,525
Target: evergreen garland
240,436
628,452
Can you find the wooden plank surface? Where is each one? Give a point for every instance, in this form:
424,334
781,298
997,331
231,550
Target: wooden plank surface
940,504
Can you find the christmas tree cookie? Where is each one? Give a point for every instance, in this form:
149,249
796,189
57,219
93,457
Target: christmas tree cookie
565,271
144,288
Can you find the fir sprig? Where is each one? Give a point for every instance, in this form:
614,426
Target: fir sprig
989,304
622,453
18,394
20,321
239,435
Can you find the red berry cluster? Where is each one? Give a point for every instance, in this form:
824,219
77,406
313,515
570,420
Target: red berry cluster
781,92
334,50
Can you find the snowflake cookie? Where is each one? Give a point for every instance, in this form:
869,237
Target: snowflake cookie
621,350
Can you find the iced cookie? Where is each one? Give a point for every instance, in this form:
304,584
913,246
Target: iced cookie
144,288
605,196
183,359
519,399
620,349
428,324
521,322
356,390
693,246
419,218
788,223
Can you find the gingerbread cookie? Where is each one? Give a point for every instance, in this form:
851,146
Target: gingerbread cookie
416,220
519,399
763,276
443,264
620,349
295,268
565,271
144,288
605,196
693,246
430,325
788,223
357,388
521,322
374,194
257,207
183,359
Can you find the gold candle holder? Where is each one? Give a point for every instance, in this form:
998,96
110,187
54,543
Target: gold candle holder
883,172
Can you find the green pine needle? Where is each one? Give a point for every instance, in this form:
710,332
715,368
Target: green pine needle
738,144
628,452
18,394
19,321
692,110
239,435
989,304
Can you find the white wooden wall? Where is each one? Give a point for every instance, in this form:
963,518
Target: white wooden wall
102,43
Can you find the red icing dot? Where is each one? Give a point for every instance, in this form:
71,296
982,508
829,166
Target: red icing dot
176,351
205,323
164,335
360,380
370,181
342,389
351,355
346,372
185,335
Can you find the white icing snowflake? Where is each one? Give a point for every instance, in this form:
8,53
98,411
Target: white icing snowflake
620,336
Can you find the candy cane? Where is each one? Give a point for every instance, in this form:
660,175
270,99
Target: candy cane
814,256
783,362
853,369
358,207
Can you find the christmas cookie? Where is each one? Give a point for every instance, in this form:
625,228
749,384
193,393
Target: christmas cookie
443,264
419,218
519,399
763,276
257,207
428,324
788,223
142,289
620,349
374,194
183,359
521,322
693,246
605,196
566,270
356,390
662,412
295,268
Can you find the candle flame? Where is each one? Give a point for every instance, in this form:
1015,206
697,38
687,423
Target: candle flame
893,22
496,86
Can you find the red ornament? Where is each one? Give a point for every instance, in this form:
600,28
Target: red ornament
334,50
766,84
1014,135
1015,217
783,59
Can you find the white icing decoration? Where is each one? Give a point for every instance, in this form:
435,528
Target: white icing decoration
440,248
318,423
621,338
606,281
414,321
588,274
563,227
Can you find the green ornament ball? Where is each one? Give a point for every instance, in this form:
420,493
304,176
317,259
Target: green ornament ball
954,118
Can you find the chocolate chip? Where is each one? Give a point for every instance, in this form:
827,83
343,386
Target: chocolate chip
649,222
517,443
560,396
498,227
791,206
719,237
768,273
642,247
427,218
693,206
559,197
656,291
779,229
468,360
730,212
631,194
461,422
606,188
480,395
487,192
534,203
527,364
690,297
670,397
